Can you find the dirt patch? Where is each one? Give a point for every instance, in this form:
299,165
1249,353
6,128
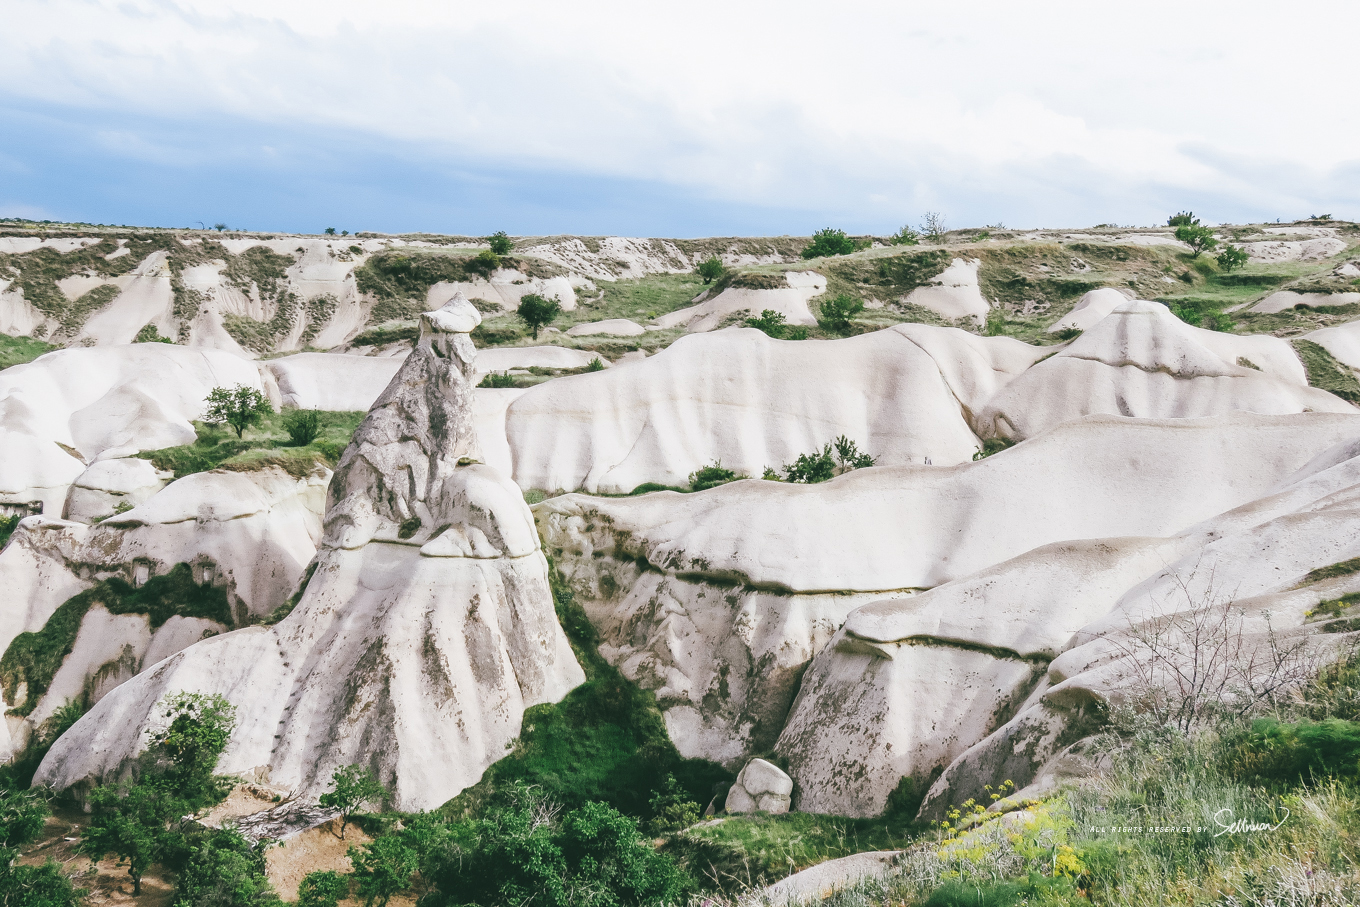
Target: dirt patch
314,850
244,800
107,882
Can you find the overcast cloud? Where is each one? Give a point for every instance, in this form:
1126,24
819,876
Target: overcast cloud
676,119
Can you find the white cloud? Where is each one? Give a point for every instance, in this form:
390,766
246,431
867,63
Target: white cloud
862,108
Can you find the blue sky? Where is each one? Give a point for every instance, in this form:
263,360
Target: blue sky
706,119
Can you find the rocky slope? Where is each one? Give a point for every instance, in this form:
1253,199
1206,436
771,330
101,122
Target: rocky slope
424,630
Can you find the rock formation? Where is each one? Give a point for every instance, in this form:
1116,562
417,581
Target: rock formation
425,629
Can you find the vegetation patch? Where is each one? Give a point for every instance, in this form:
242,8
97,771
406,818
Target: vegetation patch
1325,373
605,742
270,444
1332,571
389,332
34,658
19,350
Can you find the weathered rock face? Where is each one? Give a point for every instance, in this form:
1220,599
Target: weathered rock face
425,629
719,600
249,536
905,395
1143,361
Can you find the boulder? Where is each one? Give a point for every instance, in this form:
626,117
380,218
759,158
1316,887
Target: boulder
954,293
749,401
719,600
790,300
614,327
112,486
760,787
1143,361
331,381
425,629
1092,307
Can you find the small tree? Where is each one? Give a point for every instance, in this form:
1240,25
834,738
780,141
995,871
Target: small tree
711,477
197,729
302,425
1183,219
537,312
837,311
1232,258
934,227
499,242
219,227
830,242
383,869
330,231
240,407
672,809
1199,239
130,822
352,787
710,269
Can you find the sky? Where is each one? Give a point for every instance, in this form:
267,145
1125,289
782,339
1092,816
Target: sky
741,117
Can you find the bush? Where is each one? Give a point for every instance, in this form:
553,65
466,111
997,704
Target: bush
484,262
537,312
240,407
383,868
1183,219
322,889
837,311
907,236
934,227
710,269
830,242
497,379
223,869
711,477
198,727
524,853
1290,753
836,458
7,526
302,425
770,322
595,365
672,809
1199,239
1232,258
149,334
499,242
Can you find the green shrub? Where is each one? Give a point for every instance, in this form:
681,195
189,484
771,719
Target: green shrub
19,350
837,457
907,236
497,379
595,365
711,477
485,263
22,817
992,446
837,312
223,869
385,334
1325,373
383,868
149,334
672,809
499,242
1183,219
197,728
7,526
521,853
770,322
830,242
303,426
710,269
1199,239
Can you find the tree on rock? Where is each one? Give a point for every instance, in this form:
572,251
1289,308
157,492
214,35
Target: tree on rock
240,407
538,312
1199,239
352,787
710,269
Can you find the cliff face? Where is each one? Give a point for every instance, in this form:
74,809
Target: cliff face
425,629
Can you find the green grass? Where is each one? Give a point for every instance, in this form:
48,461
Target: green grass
261,447
18,350
605,741
1331,571
1325,373
33,658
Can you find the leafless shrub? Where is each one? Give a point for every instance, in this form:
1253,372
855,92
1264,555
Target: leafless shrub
1192,659
933,226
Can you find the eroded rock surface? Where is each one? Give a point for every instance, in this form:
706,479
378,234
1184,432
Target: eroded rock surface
424,631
